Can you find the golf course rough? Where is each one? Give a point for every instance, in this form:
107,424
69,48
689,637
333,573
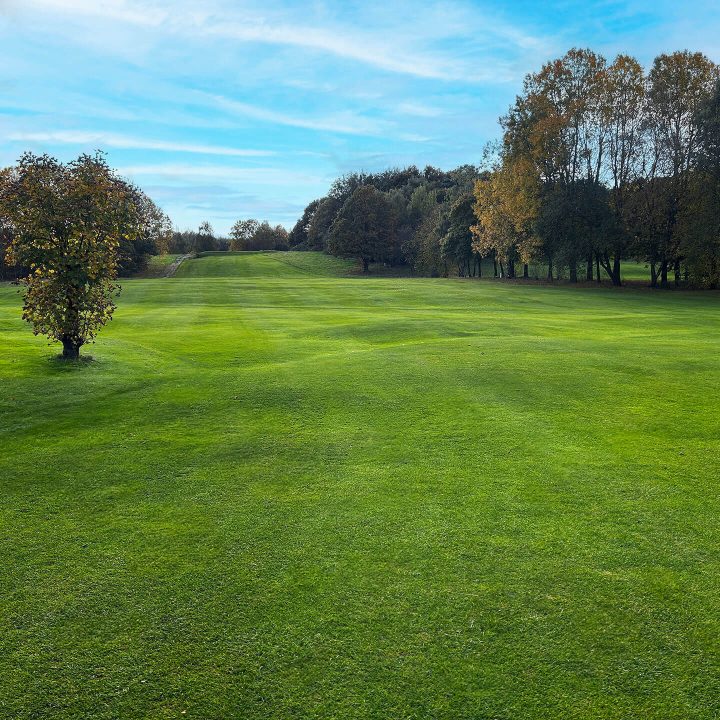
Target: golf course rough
281,490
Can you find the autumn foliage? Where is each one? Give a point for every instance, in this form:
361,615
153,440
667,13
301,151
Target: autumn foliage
67,224
600,162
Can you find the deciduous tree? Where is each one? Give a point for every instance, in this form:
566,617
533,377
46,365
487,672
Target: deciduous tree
679,84
364,227
205,238
67,224
242,233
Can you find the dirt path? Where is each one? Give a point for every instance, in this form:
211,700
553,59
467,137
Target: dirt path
172,269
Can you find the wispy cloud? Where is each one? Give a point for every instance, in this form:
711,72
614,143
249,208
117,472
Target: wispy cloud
103,139
420,110
408,45
414,138
118,10
257,175
344,44
346,123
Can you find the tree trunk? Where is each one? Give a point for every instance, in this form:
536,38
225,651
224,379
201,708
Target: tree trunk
366,267
495,269
677,273
526,271
573,272
502,270
597,266
589,271
550,271
511,269
616,279
664,273
653,275
71,349
479,264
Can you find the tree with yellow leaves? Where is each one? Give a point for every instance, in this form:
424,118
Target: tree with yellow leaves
506,208
67,222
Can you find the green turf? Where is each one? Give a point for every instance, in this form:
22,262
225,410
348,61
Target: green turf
158,265
631,272
275,494
264,265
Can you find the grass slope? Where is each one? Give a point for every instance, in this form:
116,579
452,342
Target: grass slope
264,265
158,265
283,495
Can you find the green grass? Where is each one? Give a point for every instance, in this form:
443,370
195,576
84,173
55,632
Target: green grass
264,265
631,272
158,265
279,494
635,272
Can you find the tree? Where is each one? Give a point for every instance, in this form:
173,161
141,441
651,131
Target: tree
242,233
7,270
319,226
429,253
456,244
205,238
267,237
67,222
421,203
298,236
494,232
364,227
679,85
698,230
576,221
153,236
699,222
420,207
507,208
708,124
623,101
281,238
558,127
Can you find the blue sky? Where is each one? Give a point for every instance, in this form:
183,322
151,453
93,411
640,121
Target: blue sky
223,109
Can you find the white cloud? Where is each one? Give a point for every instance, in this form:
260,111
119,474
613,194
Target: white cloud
102,139
414,138
118,10
420,110
344,44
256,175
347,123
405,44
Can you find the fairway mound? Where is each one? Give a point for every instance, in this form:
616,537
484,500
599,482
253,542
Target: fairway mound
264,264
173,267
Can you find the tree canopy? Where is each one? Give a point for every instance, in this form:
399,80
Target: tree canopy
66,225
364,227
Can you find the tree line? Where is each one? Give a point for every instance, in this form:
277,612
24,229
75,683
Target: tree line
598,163
247,234
402,216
